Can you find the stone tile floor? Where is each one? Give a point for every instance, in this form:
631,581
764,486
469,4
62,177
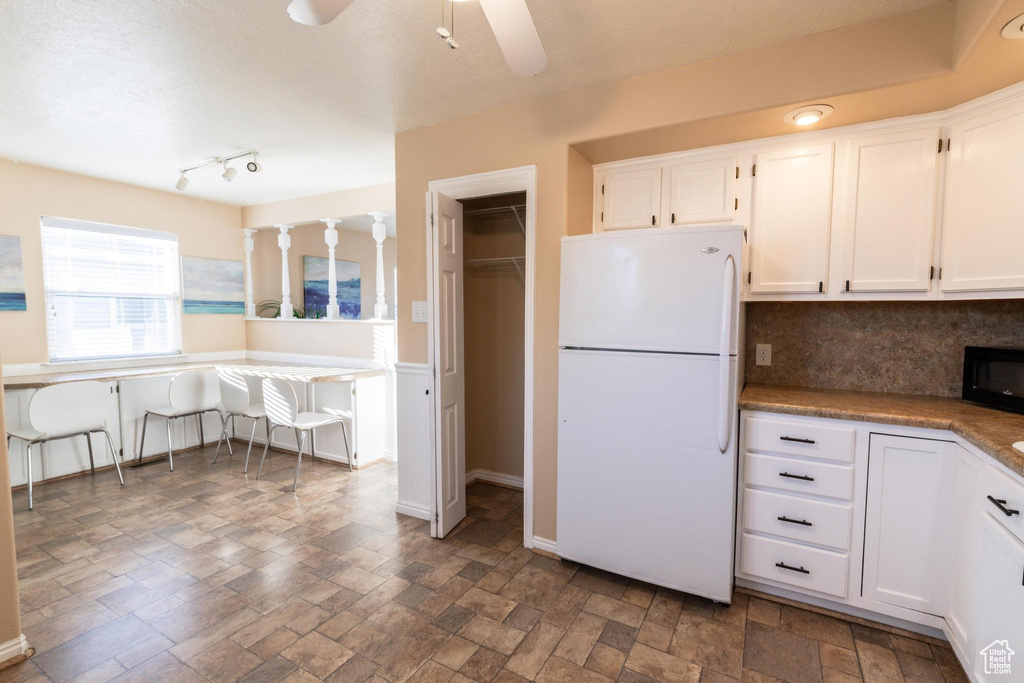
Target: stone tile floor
204,574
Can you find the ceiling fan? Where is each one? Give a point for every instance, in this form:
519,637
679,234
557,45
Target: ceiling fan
510,21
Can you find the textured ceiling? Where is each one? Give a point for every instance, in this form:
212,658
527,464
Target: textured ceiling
132,90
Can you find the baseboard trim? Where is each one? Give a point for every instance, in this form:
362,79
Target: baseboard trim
541,543
494,478
12,649
412,510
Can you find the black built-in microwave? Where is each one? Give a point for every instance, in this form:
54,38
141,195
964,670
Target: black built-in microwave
994,377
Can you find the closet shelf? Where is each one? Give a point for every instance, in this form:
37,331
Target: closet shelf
503,264
499,213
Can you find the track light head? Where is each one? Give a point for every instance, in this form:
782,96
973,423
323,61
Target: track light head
229,172
182,182
254,166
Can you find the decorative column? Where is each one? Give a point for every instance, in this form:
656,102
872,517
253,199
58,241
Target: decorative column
250,305
284,241
331,238
380,233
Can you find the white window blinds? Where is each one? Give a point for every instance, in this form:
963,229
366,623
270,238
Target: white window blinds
111,292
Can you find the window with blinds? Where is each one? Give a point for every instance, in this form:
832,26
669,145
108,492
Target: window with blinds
111,292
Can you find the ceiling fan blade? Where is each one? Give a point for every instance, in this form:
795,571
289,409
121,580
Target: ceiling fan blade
316,12
517,36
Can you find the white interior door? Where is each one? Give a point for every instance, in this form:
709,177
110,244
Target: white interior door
449,364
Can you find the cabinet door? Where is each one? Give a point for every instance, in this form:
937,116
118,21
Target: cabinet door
964,559
792,212
982,239
1000,605
888,217
632,199
906,534
703,191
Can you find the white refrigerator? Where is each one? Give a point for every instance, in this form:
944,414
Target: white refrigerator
648,374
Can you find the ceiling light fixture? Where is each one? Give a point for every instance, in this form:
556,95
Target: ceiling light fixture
254,166
1015,29
229,172
182,182
808,114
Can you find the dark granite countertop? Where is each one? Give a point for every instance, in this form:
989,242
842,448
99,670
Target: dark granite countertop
992,431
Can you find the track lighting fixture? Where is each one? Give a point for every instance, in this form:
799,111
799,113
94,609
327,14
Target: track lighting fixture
229,173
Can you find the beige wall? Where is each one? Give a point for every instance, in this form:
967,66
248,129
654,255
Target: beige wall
898,65
203,228
308,240
10,612
348,338
495,332
357,201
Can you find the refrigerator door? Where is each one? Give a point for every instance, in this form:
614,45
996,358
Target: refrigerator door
661,289
643,488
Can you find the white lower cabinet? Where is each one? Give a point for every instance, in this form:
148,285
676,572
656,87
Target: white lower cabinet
914,527
908,519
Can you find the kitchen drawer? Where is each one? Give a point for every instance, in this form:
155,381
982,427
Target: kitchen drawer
812,569
807,439
1002,487
801,476
801,519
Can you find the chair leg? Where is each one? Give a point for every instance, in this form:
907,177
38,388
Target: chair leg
251,437
226,437
170,453
142,443
202,441
266,447
29,469
298,463
92,463
348,451
223,435
113,453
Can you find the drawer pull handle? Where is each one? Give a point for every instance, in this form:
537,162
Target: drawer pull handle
796,439
1001,504
802,477
801,570
802,522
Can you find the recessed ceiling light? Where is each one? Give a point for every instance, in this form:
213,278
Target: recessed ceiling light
1015,29
808,114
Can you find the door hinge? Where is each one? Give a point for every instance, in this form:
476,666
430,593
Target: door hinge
653,222
753,170
940,145
948,141
735,203
602,189
750,274
436,518
931,272
821,287
737,171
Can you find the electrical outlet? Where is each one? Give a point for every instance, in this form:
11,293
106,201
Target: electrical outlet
419,311
763,354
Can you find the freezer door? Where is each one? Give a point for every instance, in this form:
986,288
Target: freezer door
661,289
643,487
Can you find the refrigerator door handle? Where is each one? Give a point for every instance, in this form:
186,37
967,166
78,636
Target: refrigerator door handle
724,414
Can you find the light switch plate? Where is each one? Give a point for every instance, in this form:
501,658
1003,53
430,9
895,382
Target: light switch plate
763,354
419,311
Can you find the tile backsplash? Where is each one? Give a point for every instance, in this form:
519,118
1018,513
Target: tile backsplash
891,346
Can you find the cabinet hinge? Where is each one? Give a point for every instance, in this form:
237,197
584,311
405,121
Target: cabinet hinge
653,221
940,273
602,189
735,203
602,216
948,141
737,171
931,272
940,145
120,452
821,287
673,219
750,274
753,170
847,285
436,519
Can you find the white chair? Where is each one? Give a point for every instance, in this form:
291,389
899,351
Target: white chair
191,393
234,401
63,411
283,411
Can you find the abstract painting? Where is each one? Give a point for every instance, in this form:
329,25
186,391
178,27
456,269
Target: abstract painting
314,287
212,285
12,280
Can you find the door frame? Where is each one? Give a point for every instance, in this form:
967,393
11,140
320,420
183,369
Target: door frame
520,179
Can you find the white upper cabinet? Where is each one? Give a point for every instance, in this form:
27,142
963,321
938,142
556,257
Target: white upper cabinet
908,521
983,224
888,214
632,199
702,191
790,226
